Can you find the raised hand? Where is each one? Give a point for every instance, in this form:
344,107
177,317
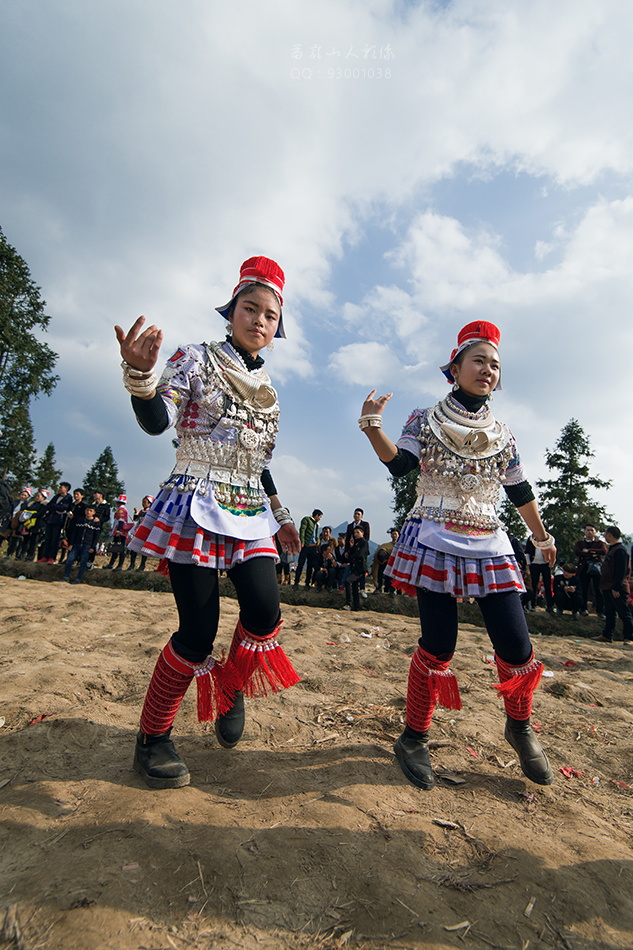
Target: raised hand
141,352
373,406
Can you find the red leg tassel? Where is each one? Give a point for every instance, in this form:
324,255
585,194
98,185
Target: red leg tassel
260,663
217,682
517,686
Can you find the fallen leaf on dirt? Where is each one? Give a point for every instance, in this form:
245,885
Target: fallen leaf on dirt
39,718
568,772
446,824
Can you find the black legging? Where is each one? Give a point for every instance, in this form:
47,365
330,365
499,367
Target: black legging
198,601
503,616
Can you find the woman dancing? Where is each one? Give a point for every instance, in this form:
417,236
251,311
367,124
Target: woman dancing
452,545
218,510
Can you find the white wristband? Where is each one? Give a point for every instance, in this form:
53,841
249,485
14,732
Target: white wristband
282,516
549,542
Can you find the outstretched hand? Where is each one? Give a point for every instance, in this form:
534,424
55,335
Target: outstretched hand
141,353
373,406
289,539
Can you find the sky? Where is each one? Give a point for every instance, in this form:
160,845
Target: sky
412,166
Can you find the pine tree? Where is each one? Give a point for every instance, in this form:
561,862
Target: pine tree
404,495
26,364
104,474
17,448
46,475
512,520
564,500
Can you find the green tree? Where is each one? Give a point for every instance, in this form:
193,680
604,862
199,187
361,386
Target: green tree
17,448
104,474
45,474
26,364
512,520
404,489
566,506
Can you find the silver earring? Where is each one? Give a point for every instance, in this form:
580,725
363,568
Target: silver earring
491,397
455,386
270,346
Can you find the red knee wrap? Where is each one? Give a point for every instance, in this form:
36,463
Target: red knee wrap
517,684
430,682
260,663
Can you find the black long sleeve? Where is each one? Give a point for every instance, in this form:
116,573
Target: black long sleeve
402,463
268,484
520,494
151,414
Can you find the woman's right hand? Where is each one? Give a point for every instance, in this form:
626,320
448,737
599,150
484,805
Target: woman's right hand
373,406
141,353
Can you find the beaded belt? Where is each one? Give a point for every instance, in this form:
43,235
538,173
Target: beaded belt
456,510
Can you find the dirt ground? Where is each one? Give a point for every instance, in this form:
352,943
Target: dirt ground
306,834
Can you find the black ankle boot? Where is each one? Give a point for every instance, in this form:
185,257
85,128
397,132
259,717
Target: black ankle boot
156,760
230,726
413,756
532,759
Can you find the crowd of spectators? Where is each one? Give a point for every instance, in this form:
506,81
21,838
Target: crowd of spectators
69,528
602,572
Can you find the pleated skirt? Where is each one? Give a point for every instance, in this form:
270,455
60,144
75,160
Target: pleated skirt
169,531
413,564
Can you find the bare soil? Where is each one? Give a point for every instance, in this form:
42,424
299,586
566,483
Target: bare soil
307,834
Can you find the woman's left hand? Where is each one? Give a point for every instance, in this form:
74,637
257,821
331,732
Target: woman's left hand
550,556
373,406
289,539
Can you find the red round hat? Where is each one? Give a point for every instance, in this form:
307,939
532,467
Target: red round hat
260,270
480,331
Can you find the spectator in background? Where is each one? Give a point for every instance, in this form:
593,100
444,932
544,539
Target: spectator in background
357,556
568,591
614,584
77,511
590,551
283,564
364,526
139,514
56,512
13,527
102,510
308,536
120,530
31,526
340,560
539,568
85,536
325,573
381,557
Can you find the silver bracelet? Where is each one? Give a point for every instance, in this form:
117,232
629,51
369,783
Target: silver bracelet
282,516
549,542
133,372
140,387
373,420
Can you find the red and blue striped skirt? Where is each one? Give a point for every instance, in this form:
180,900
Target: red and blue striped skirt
169,531
413,564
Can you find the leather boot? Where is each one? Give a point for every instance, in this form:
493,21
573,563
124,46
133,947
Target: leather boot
533,760
413,757
230,726
158,763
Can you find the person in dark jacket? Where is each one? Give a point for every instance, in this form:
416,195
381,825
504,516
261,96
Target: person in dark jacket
57,508
568,591
32,520
357,556
590,551
614,584
85,536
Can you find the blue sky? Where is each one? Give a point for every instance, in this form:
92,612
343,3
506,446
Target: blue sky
147,148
